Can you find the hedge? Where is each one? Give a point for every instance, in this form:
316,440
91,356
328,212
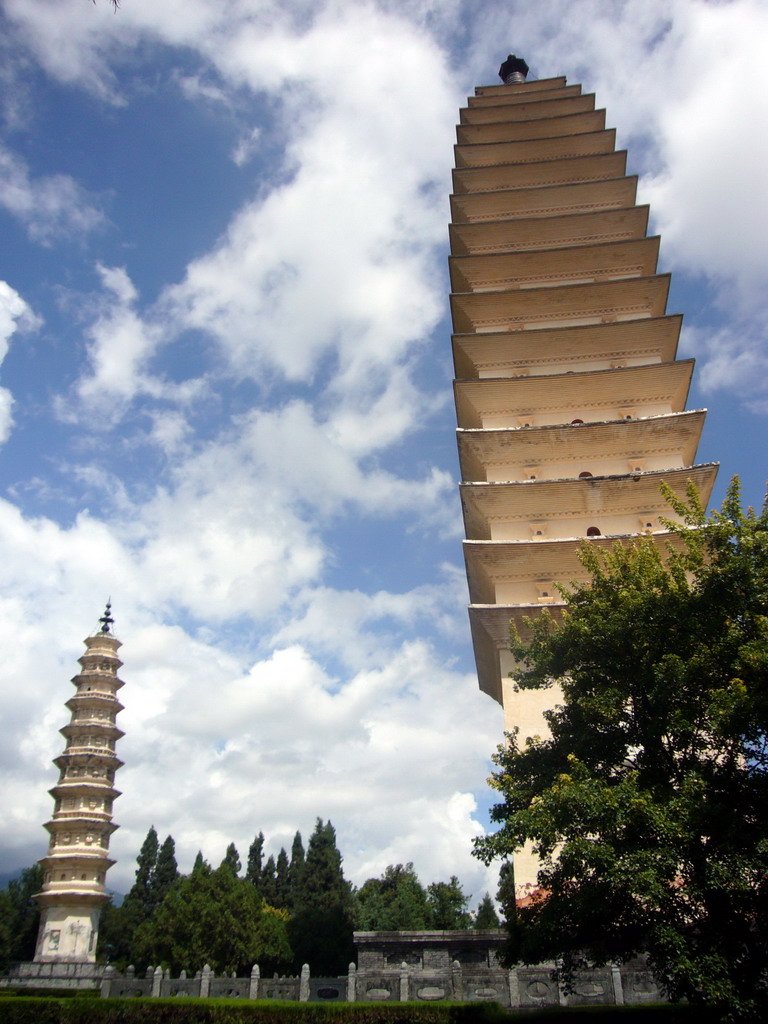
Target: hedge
37,1010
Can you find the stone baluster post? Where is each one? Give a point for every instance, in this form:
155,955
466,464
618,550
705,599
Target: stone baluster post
403,982
205,981
514,988
618,988
253,990
304,984
352,983
106,982
457,982
157,981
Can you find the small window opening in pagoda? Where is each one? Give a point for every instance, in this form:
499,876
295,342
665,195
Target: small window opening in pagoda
593,531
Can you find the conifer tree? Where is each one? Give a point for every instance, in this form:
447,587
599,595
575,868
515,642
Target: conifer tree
217,918
255,861
448,905
505,894
486,916
166,871
295,868
119,924
268,887
146,863
232,859
201,865
282,885
322,924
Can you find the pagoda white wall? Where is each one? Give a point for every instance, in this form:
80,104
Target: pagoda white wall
68,932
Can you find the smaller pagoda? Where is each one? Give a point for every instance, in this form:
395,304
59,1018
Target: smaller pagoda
76,864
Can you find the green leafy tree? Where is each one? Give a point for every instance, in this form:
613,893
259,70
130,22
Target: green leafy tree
20,916
395,902
255,861
486,916
448,906
217,918
646,805
323,920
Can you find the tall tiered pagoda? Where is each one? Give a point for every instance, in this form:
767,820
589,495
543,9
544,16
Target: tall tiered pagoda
570,400
75,867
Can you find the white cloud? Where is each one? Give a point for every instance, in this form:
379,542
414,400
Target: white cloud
121,346
258,694
247,146
50,207
15,315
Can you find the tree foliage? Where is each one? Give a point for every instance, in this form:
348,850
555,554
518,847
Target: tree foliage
232,859
647,803
448,906
217,918
20,916
486,916
395,902
321,927
255,857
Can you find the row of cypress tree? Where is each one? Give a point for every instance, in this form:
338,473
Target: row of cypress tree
279,913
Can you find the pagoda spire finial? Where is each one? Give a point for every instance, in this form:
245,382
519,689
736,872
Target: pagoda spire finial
513,71
106,619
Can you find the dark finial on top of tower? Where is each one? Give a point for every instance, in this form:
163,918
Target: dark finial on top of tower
106,619
513,70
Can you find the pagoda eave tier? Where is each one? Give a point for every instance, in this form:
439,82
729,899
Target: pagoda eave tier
82,785
85,817
490,626
70,897
626,392
102,701
548,350
548,88
565,170
486,506
81,727
537,565
523,88
514,207
89,756
560,305
530,110
544,268
535,150
545,127
529,454
572,228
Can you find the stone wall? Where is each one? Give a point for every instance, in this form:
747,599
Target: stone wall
391,967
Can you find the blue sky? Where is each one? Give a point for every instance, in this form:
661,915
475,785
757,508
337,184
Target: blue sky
225,386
